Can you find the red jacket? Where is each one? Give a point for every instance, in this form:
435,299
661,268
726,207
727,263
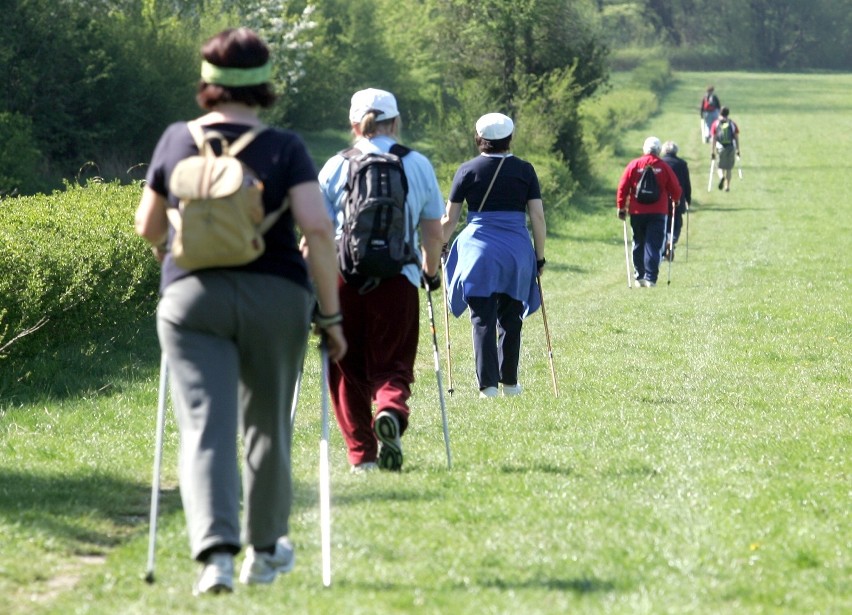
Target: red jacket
666,180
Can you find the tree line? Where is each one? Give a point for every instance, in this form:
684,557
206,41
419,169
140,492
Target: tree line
93,82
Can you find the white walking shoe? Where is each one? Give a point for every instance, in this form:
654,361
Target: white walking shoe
363,467
512,390
488,392
217,575
259,567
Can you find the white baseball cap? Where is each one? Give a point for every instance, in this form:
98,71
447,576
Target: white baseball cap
651,146
494,126
371,99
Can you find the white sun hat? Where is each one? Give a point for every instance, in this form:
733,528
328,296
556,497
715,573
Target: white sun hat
494,126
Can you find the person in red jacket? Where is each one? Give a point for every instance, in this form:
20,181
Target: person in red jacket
648,220
709,111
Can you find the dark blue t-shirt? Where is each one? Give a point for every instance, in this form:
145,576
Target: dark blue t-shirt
516,184
280,160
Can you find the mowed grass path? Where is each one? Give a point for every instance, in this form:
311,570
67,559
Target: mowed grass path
697,459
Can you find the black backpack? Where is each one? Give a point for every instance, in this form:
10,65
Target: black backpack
376,239
647,190
725,132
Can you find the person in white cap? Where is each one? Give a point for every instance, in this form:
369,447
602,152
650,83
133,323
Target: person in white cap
647,220
383,322
491,267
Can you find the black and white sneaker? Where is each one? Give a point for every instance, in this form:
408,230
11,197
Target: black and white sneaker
386,427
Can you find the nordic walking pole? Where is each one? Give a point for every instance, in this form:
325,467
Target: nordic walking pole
687,231
450,388
296,391
627,256
158,460
438,376
710,180
671,245
295,400
547,335
324,474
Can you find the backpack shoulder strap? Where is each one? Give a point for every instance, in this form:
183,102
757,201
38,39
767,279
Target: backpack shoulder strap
202,139
399,150
272,218
243,141
197,133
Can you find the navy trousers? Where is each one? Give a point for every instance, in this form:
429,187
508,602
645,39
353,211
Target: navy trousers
649,236
497,322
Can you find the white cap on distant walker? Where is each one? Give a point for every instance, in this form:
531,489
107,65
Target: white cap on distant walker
371,99
494,126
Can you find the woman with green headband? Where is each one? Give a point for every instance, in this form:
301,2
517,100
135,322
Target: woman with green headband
234,338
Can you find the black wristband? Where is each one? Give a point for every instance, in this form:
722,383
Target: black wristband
540,263
324,322
431,282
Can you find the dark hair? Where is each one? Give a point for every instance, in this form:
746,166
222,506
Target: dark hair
488,146
725,111
235,48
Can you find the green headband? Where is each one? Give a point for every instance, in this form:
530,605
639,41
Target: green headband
235,77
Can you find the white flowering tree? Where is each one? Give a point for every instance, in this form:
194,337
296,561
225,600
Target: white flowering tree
285,31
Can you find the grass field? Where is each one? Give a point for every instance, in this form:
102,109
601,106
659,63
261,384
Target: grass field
697,459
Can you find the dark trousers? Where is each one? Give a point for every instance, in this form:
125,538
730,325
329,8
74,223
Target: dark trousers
678,220
382,328
497,322
649,235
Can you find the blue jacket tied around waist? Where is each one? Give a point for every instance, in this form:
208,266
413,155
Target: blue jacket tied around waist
493,254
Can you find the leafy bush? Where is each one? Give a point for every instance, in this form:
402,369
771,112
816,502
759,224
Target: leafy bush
70,264
21,162
606,116
654,75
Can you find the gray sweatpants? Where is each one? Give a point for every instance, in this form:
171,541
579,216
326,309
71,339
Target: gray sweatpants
234,343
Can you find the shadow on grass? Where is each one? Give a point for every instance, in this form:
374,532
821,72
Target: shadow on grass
583,585
306,494
725,209
541,468
578,586
90,512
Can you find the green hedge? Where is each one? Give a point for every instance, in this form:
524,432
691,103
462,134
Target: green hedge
633,99
71,264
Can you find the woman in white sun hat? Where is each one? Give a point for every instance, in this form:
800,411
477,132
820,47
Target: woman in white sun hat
492,266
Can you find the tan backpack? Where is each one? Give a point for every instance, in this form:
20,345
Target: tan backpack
220,219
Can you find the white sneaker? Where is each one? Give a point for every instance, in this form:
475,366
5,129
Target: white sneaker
511,390
364,467
488,392
264,567
217,576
